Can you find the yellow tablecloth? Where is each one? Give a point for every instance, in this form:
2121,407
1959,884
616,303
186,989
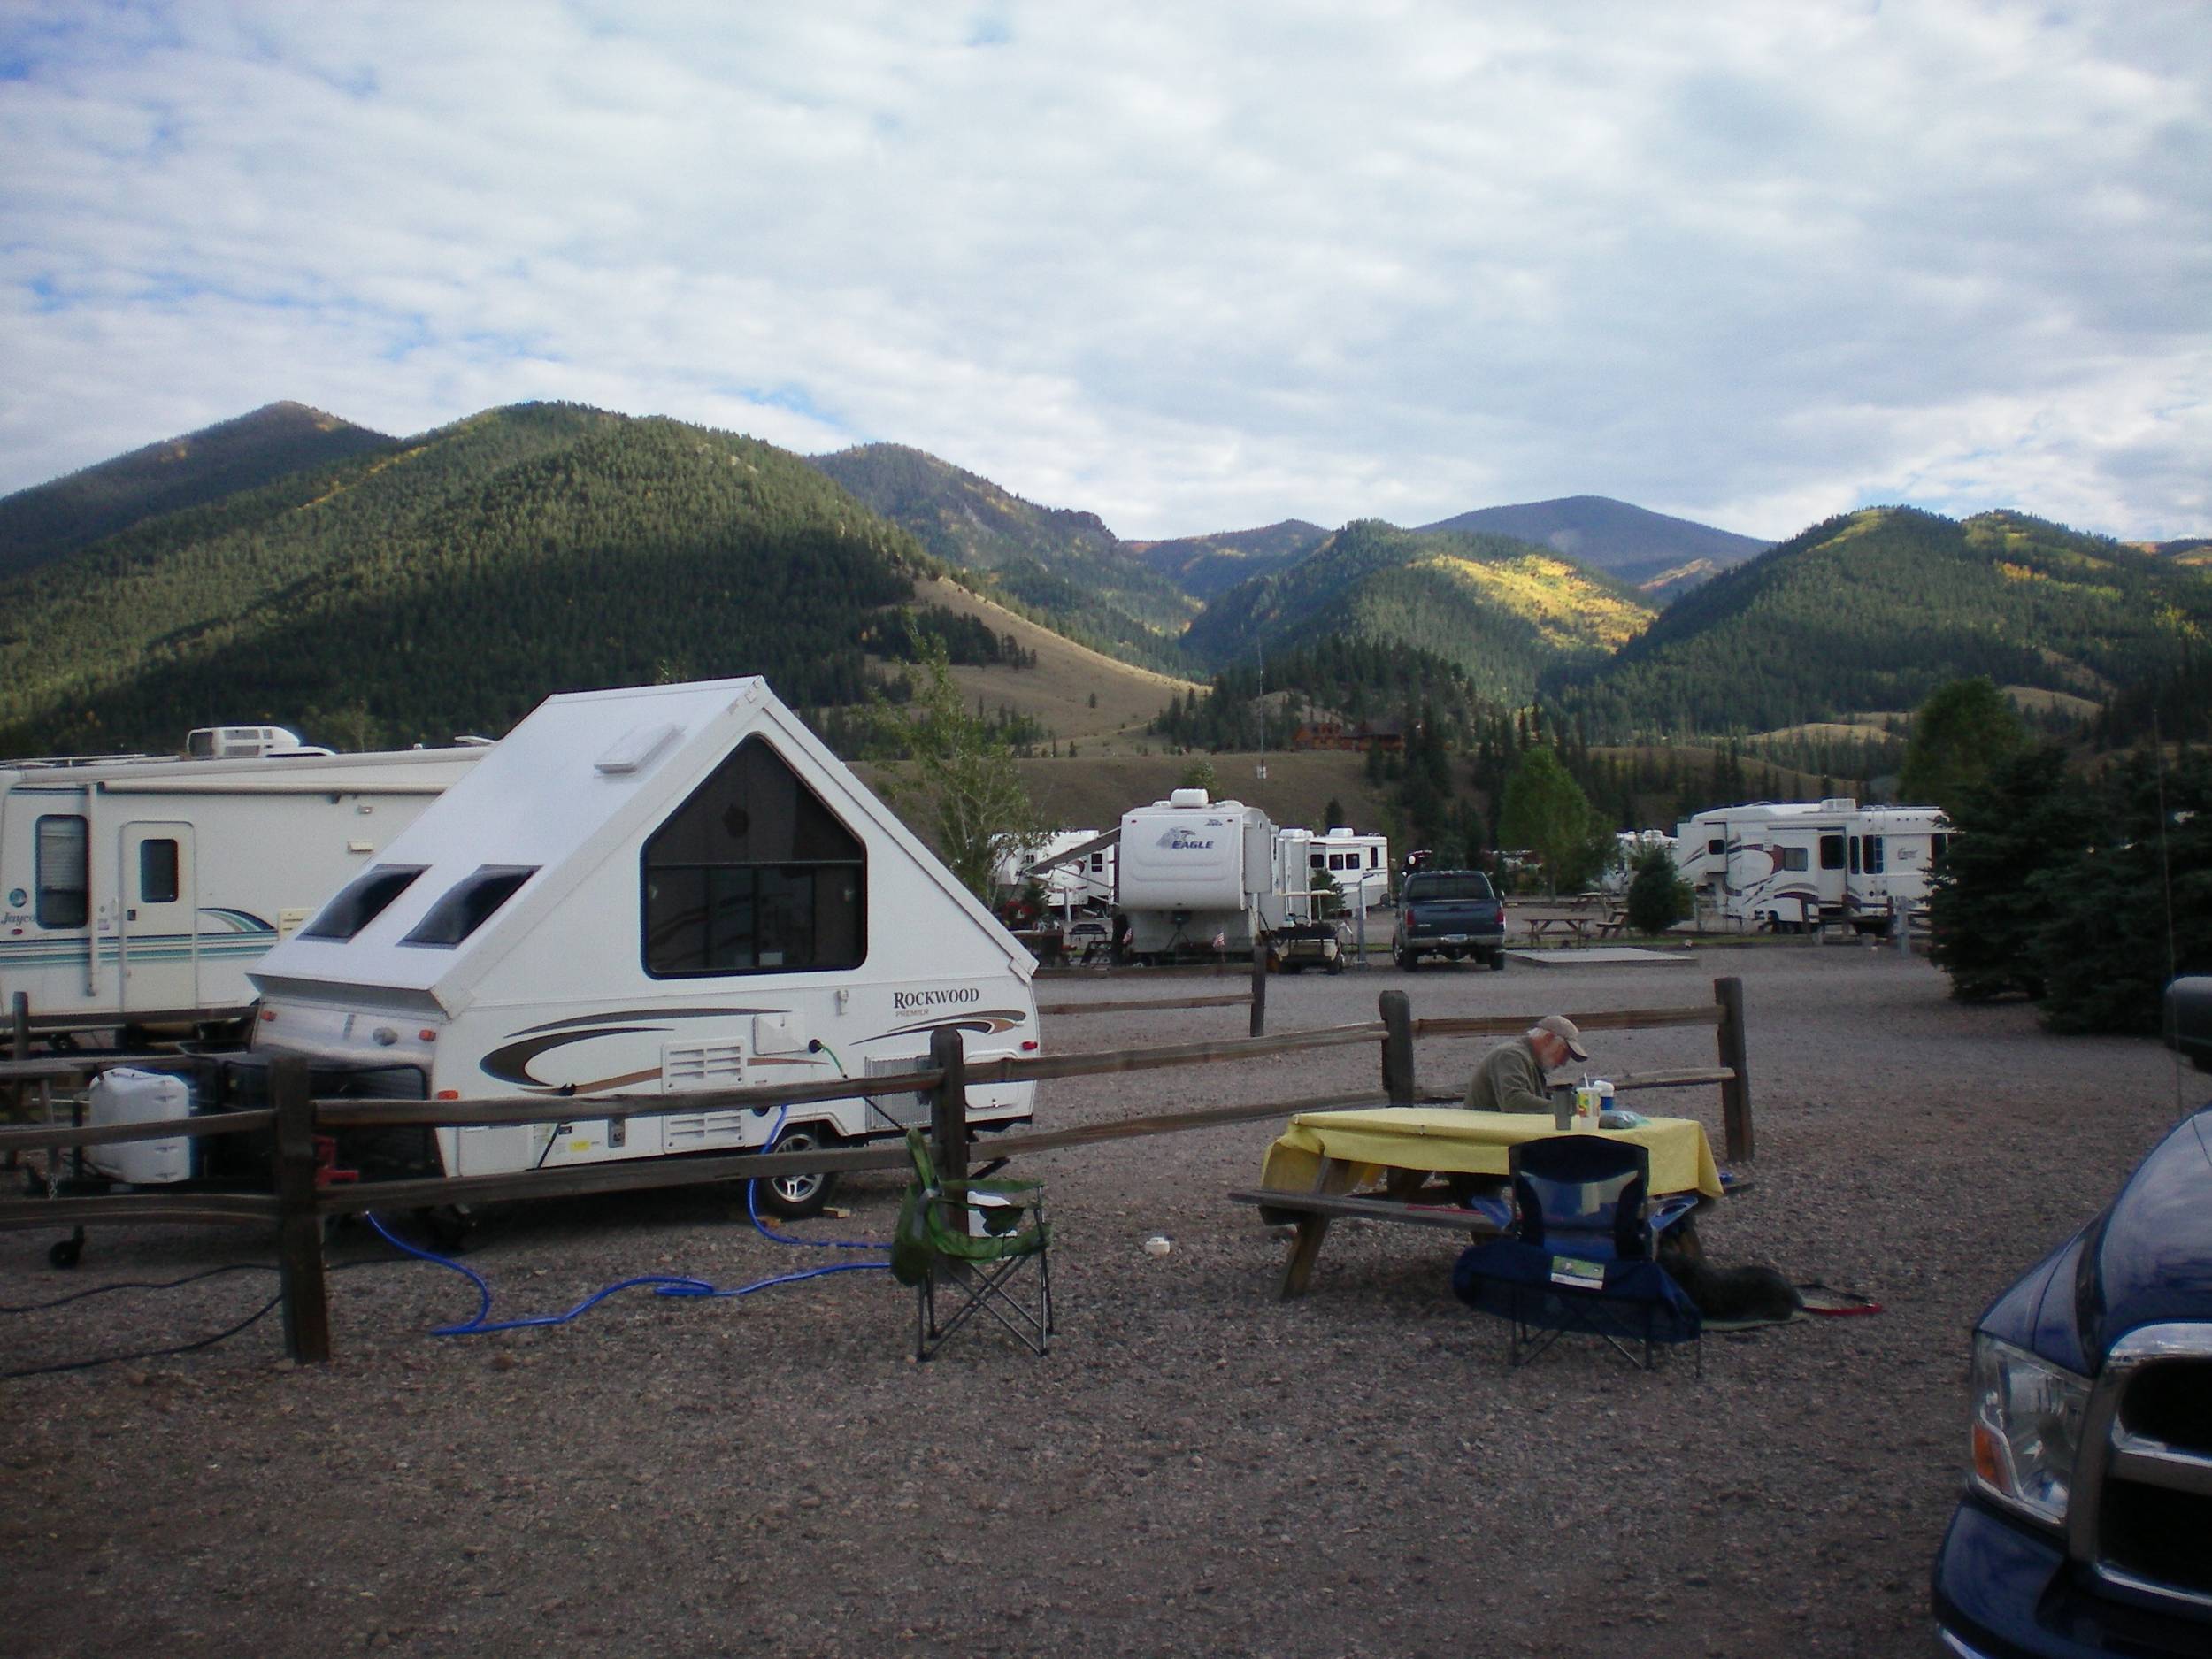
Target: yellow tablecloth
1448,1140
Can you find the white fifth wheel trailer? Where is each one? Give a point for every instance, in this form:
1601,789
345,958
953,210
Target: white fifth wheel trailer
140,889
660,890
1193,871
1791,864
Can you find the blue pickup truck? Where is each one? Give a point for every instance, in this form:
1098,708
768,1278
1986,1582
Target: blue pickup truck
1454,913
2086,1528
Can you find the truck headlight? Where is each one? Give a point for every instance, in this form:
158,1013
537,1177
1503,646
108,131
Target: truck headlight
2027,1427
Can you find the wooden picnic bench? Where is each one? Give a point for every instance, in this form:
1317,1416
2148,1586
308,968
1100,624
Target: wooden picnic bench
1579,916
1311,1213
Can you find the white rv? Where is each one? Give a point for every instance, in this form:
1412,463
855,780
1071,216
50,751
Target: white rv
1195,870
1082,882
1788,865
1359,864
140,889
655,891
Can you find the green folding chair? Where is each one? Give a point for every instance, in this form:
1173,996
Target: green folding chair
972,1237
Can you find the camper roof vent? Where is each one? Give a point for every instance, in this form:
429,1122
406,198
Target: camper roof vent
1840,804
244,742
635,750
1187,797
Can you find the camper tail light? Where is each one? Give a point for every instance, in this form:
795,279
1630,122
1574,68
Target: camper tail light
1029,1045
427,1035
448,1093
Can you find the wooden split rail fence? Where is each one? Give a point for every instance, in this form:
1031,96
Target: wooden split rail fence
298,1207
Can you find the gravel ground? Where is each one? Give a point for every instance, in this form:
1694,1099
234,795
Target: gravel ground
1196,1468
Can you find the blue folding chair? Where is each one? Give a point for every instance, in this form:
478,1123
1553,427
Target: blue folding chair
1579,1253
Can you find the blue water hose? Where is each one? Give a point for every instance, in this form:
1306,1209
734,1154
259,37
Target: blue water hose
661,1284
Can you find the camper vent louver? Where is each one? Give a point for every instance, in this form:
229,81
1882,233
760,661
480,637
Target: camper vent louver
687,1132
635,749
905,1111
702,1066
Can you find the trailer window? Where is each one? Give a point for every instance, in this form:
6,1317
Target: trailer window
469,905
1855,854
1796,858
158,873
1936,847
1874,855
1831,852
64,892
361,900
753,874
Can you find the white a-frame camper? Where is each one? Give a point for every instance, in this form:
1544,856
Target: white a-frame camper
659,890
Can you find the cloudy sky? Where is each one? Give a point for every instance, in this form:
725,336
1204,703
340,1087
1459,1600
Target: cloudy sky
1192,267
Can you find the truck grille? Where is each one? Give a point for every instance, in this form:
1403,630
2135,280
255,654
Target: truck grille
2146,1469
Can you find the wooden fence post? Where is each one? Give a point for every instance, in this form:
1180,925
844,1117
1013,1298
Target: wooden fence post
1259,990
299,1229
1735,1094
948,1111
1397,1046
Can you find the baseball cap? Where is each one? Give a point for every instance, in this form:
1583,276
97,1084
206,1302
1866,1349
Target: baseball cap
1564,1028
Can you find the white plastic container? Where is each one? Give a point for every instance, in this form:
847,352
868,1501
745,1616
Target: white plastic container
126,1095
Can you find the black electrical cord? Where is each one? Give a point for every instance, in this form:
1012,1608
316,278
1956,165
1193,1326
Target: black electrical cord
130,1284
252,1318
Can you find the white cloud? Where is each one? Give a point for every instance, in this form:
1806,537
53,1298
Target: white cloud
1191,268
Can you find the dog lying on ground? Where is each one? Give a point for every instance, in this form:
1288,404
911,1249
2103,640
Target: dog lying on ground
1751,1293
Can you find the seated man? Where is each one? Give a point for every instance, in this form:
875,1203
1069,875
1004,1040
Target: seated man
1510,1077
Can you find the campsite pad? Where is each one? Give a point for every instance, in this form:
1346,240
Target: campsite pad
1598,957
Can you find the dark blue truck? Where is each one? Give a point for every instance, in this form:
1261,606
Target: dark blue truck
2086,1528
1452,913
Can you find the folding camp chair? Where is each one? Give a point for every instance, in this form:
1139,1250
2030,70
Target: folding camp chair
1581,1255
973,1237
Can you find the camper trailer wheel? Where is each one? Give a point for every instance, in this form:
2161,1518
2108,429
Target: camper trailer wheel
795,1197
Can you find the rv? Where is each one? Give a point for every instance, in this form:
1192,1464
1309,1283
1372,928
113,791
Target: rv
1194,870
658,891
140,889
1359,864
1083,882
1787,866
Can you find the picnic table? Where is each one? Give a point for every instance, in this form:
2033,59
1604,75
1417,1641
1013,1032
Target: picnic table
1577,917
1315,1165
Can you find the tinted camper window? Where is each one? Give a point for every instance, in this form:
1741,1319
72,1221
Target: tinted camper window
467,907
1831,852
361,900
64,893
158,873
753,874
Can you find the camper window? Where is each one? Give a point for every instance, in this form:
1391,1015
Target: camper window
158,873
1795,858
361,900
65,897
1831,852
1874,855
464,910
751,874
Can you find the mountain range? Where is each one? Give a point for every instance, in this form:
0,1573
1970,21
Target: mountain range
291,566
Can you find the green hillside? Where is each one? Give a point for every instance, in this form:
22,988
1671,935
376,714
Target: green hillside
1502,612
1206,566
50,519
1874,610
449,584
1064,567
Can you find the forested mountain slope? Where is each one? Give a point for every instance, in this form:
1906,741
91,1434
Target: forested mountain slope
50,519
1503,612
1064,566
448,586
1206,566
1636,545
1873,610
